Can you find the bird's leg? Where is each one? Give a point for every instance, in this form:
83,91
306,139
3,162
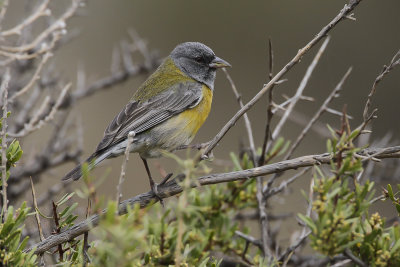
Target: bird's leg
153,185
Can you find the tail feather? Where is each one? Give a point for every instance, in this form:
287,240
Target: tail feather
76,173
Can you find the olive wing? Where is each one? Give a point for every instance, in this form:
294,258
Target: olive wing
141,116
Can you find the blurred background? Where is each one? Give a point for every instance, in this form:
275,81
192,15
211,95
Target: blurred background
238,32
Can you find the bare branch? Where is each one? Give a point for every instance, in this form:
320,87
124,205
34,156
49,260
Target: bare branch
347,252
245,117
34,125
284,184
35,205
270,114
172,188
300,89
342,14
34,78
58,25
249,239
3,10
386,69
41,11
294,246
314,119
318,114
3,134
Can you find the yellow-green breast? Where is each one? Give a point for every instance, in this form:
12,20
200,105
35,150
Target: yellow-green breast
163,78
181,128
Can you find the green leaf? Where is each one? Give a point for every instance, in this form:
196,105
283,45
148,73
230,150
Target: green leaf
390,192
395,247
41,214
68,210
309,222
398,207
277,146
65,198
329,146
333,132
235,161
353,134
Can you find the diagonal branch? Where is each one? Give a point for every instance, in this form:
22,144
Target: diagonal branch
300,90
173,188
342,15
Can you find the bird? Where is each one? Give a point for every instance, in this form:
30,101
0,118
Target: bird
165,112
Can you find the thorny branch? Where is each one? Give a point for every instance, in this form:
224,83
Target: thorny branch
300,90
386,69
342,15
323,107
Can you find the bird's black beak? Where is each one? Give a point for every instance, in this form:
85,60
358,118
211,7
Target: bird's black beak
219,63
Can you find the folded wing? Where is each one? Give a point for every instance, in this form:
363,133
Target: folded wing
141,116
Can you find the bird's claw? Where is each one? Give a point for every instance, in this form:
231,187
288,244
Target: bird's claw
154,189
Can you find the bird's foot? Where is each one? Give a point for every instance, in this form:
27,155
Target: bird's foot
155,186
154,189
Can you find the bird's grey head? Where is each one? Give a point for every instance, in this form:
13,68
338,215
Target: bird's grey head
198,61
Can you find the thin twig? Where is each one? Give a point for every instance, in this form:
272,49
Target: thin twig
320,111
173,188
3,10
131,135
4,94
249,239
270,114
34,78
386,69
300,89
318,114
294,246
261,201
342,14
341,263
58,231
35,205
85,255
347,252
58,25
39,12
33,126
263,218
245,117
271,59
284,184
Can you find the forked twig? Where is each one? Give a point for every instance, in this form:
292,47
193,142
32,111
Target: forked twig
324,31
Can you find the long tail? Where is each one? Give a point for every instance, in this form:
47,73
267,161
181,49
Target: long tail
92,161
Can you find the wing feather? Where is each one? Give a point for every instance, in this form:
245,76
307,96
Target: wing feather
141,116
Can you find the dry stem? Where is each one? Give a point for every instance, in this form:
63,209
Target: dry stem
4,94
172,188
342,15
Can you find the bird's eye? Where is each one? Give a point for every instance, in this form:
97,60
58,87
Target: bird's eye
199,59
